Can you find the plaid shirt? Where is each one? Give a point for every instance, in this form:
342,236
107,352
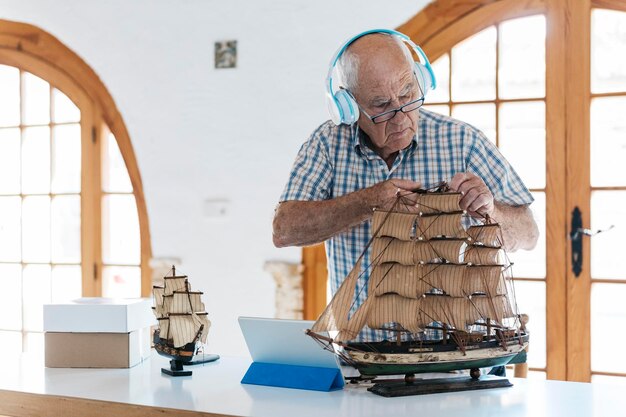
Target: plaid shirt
335,161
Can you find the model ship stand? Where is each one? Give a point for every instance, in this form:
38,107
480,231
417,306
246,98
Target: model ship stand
183,324
431,269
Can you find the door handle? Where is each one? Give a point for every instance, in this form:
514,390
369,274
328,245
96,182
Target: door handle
576,236
577,241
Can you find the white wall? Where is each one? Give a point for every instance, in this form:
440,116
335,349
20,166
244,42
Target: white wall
201,133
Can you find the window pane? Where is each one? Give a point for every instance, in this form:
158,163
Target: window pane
36,294
11,343
115,177
36,100
438,108
66,283
66,154
9,96
65,215
65,111
120,230
441,68
10,233
522,71
607,249
121,281
532,264
9,161
523,140
34,343
607,321
36,160
36,229
608,51
481,116
474,67
531,300
608,141
10,297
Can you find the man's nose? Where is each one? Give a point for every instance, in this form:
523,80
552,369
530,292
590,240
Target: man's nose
399,117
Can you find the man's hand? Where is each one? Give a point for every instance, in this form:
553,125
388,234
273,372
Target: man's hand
384,194
300,223
519,229
477,199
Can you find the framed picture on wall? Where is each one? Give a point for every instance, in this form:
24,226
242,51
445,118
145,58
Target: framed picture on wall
226,54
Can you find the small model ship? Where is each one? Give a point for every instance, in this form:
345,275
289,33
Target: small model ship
427,273
183,323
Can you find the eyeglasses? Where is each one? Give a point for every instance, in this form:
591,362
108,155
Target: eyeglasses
390,114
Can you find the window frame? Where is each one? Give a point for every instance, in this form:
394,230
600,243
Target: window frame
33,50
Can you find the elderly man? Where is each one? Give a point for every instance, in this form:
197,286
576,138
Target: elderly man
344,172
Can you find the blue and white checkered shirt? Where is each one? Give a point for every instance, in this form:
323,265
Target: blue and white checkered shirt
335,161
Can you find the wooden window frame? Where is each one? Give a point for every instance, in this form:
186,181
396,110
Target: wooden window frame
443,24
33,50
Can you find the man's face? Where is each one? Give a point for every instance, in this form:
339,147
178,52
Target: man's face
386,84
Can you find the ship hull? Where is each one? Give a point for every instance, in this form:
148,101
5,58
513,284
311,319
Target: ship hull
382,359
183,353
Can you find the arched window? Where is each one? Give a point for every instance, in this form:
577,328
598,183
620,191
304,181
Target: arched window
545,80
72,215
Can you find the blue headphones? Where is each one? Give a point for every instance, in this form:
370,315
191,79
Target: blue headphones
341,104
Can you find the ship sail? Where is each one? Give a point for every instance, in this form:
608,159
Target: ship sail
393,308
335,315
157,293
433,203
203,319
180,312
386,249
488,235
183,302
164,326
426,270
482,255
175,283
183,329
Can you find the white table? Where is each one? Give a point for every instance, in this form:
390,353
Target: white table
27,388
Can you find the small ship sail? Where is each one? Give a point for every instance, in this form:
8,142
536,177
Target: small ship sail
427,272
181,316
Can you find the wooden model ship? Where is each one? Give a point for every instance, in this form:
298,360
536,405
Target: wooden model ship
183,323
427,274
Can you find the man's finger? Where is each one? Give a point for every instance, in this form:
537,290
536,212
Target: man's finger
407,184
482,201
457,180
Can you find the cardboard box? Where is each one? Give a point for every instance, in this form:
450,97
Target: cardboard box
98,315
96,350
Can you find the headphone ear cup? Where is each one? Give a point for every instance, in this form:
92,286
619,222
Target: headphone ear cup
348,109
423,78
333,109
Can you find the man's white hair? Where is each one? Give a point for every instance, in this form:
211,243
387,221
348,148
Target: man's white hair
348,64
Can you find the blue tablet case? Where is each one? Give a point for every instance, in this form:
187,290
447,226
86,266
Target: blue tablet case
294,376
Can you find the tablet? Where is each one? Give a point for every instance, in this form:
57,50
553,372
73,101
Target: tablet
284,342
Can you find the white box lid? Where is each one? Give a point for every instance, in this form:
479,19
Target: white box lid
102,315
